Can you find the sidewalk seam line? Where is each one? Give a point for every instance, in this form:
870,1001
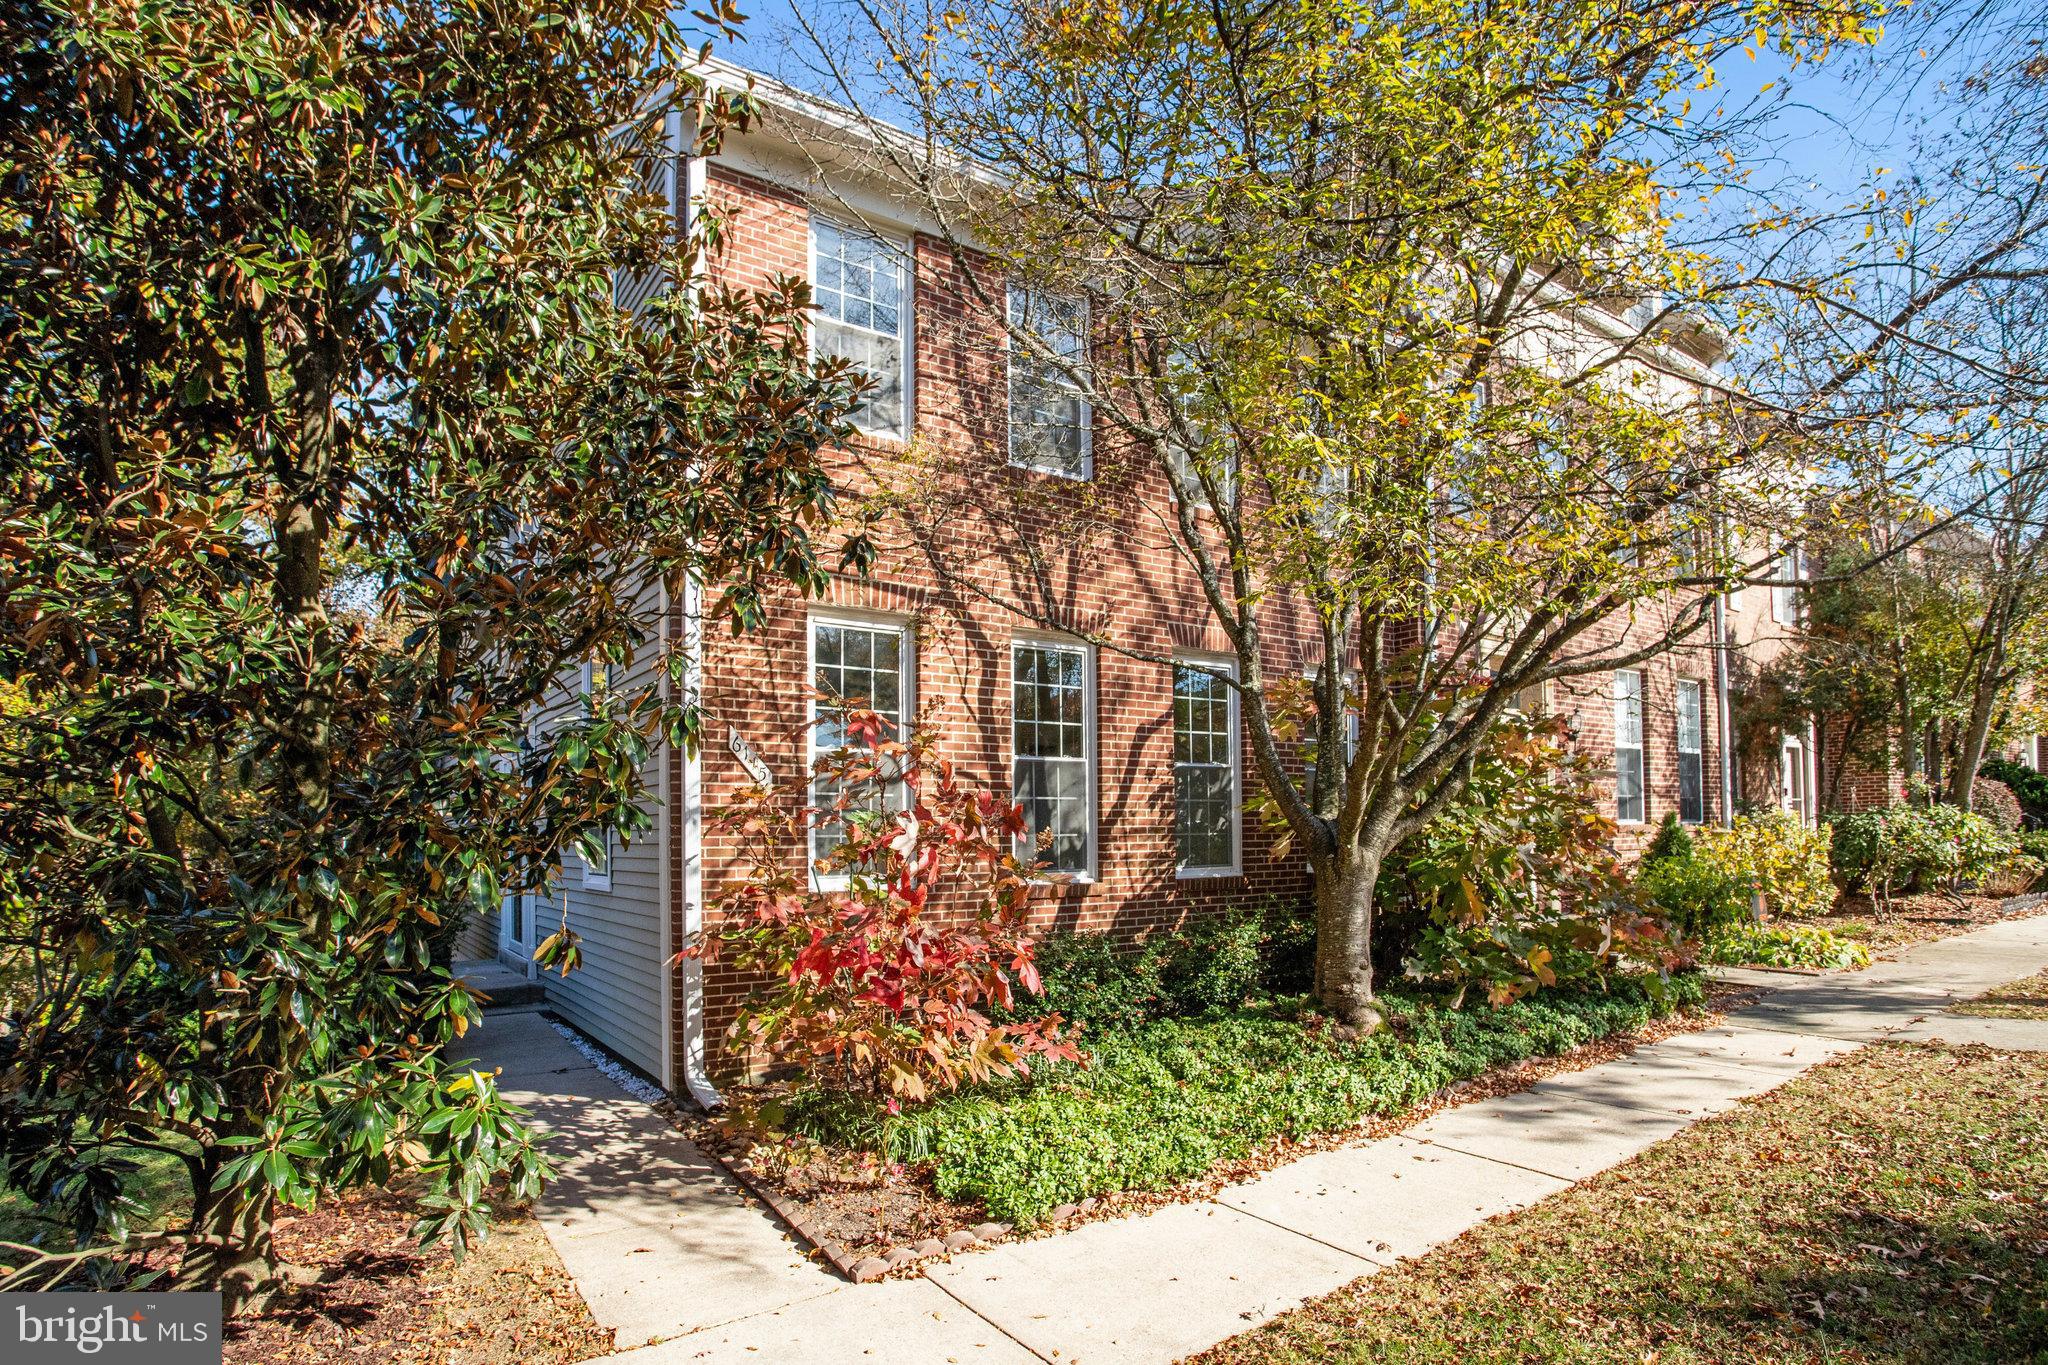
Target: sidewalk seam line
1305,1236
1022,1344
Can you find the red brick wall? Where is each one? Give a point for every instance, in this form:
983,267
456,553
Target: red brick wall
1588,703
1102,558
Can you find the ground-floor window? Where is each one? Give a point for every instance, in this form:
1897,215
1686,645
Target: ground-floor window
1692,789
1052,733
1630,804
855,664
1205,804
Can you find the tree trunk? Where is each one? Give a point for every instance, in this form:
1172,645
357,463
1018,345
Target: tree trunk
238,1255
1970,745
1345,884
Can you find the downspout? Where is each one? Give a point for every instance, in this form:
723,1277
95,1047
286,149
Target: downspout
1723,724
689,827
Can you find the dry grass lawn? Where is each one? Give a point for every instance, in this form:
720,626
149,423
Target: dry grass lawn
1892,1206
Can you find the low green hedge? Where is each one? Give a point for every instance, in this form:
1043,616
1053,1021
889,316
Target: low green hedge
1167,1101
1784,945
1213,963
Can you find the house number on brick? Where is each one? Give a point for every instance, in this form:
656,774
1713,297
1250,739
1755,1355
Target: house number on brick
749,760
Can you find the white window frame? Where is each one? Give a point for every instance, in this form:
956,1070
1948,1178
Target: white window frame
1226,667
1011,357
1026,852
906,311
1640,747
1791,758
1699,694
1785,596
596,878
906,692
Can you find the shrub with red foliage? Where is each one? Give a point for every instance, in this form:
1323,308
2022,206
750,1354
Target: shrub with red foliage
874,987
1995,801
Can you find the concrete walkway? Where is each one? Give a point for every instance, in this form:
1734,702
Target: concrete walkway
666,1251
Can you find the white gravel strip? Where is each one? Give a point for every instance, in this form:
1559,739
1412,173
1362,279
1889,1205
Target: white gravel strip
634,1084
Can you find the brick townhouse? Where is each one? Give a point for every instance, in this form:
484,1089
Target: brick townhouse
1145,799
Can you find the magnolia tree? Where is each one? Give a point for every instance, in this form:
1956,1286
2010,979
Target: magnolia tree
1415,310
327,458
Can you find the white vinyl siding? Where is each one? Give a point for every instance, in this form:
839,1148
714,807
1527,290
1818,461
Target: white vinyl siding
861,294
1049,416
1630,804
1205,785
1052,735
857,663
595,854
616,994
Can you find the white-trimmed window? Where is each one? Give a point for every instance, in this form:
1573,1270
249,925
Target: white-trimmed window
1052,732
1630,804
1792,776
856,663
595,851
861,294
1692,773
1785,593
1205,772
1049,416
1223,470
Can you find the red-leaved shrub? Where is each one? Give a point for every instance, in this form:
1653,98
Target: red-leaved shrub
1996,802
880,987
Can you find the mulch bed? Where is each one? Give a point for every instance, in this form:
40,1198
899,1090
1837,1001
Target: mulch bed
384,1298
859,1208
1920,919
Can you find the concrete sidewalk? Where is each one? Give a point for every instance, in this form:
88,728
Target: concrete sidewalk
666,1250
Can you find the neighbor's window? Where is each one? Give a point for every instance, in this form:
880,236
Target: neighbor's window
1048,414
862,302
1784,595
854,664
1629,805
1050,723
1792,778
1692,791
1204,769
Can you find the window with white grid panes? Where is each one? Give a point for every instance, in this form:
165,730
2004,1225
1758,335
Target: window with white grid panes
1204,770
861,302
1050,724
854,664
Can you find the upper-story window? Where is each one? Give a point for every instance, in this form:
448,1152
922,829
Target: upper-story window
1785,593
862,296
1222,467
1049,415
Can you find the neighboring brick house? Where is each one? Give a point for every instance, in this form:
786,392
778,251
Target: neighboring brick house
1088,735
